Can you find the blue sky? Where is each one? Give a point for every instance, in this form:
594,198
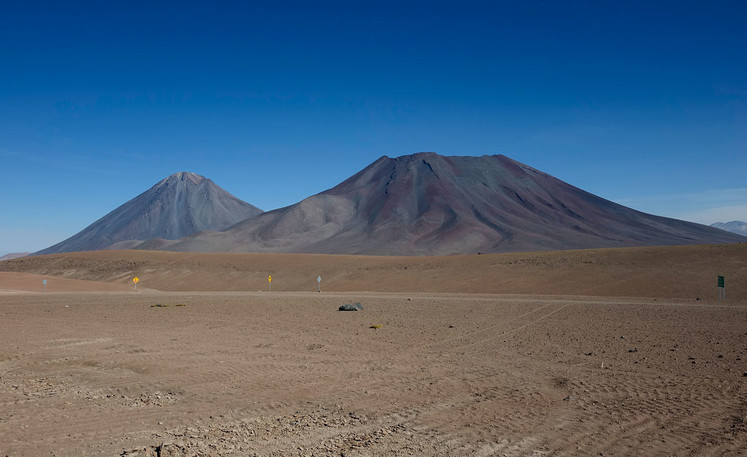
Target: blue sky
643,103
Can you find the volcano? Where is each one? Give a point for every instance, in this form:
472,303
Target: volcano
428,204
180,205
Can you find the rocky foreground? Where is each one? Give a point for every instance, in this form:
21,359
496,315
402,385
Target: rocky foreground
287,374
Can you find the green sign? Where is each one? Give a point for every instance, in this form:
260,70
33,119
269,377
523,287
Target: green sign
721,281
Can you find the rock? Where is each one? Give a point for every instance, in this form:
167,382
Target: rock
351,307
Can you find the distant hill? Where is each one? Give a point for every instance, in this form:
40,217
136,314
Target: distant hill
14,255
738,227
427,204
178,206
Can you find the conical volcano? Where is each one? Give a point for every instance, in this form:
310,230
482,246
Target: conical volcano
180,205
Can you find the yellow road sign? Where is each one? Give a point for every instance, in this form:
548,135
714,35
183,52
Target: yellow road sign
135,280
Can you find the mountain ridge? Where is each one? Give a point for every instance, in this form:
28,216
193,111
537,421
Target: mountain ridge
738,227
428,204
417,204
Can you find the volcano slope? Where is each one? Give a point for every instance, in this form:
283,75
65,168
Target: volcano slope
427,204
180,205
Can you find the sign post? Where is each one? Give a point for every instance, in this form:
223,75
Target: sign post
269,282
44,281
135,281
721,288
319,280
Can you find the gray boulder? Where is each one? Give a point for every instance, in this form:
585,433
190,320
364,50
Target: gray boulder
351,307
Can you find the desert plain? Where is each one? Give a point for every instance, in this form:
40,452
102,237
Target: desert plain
599,352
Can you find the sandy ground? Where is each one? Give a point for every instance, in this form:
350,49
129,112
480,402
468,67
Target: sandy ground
284,373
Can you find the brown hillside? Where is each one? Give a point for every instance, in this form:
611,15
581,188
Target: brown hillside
681,272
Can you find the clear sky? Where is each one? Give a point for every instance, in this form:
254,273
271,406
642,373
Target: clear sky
640,102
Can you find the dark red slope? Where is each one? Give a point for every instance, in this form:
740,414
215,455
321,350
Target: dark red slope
426,204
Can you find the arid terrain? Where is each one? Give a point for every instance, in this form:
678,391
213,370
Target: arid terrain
683,272
604,352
